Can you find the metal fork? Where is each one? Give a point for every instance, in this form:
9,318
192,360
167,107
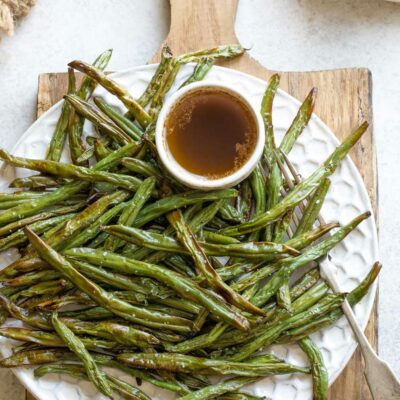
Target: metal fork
382,382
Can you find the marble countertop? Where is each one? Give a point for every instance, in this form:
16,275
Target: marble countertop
282,34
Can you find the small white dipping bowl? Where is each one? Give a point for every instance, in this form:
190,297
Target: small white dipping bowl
199,181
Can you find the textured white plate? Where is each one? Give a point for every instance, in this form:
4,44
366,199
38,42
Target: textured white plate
346,199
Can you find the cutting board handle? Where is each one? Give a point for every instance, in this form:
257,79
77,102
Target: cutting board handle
197,24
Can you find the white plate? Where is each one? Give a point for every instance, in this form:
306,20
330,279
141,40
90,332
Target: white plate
346,199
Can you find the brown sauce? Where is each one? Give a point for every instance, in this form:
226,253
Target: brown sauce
211,133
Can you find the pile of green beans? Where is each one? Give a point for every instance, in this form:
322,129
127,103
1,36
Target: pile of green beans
168,285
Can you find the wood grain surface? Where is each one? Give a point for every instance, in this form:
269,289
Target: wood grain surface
344,101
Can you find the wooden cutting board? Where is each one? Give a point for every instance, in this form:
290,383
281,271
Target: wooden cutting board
344,101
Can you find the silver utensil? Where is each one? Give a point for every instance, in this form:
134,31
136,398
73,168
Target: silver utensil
382,382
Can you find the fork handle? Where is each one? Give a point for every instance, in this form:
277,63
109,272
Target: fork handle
382,382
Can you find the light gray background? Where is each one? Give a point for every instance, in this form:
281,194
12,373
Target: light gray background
282,34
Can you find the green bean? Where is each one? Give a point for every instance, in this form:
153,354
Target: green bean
36,319
225,51
76,122
302,190
93,313
124,389
3,316
158,241
95,375
198,342
31,278
188,306
114,88
5,205
139,299
244,283
136,373
229,213
300,304
49,339
35,205
9,291
212,391
92,230
283,296
305,239
129,127
88,84
130,213
166,82
115,157
257,183
98,118
176,201
102,297
60,133
148,288
269,335
318,369
192,382
52,303
22,266
165,336
304,283
299,242
311,254
214,237
299,122
185,287
240,396
84,219
141,167
274,180
123,334
200,320
132,297
18,238
295,334
48,288
200,71
244,200
85,156
21,195
155,81
184,363
178,263
203,216
172,311
189,241
73,171
53,212
99,240
233,271
250,282
34,357
313,207
75,131
282,226
100,149
36,182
